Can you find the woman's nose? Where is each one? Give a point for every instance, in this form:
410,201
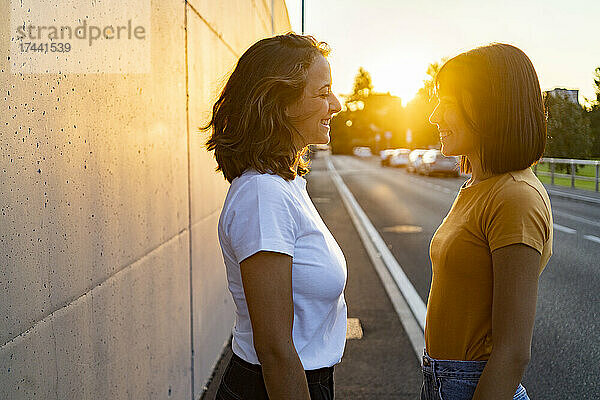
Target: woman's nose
335,105
434,118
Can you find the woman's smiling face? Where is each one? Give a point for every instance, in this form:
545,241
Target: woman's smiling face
312,114
456,136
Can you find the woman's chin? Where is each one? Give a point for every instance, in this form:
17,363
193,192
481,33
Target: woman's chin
447,151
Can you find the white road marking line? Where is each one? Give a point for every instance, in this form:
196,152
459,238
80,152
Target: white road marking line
575,218
592,238
406,301
564,229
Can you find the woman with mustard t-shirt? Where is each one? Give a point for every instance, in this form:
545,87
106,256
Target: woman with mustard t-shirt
495,241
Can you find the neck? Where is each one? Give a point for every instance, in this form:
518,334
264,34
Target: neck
297,161
477,172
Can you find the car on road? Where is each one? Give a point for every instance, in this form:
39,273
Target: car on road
414,159
384,156
434,162
399,158
362,151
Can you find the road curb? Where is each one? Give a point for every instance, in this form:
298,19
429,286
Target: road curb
408,305
572,196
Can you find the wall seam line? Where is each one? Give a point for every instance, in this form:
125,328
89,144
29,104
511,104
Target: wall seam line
219,35
190,243
90,290
205,218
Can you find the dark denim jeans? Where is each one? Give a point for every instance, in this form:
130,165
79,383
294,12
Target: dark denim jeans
454,380
244,381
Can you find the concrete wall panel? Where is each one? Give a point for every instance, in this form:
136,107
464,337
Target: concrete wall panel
207,74
213,305
227,16
28,365
126,338
94,175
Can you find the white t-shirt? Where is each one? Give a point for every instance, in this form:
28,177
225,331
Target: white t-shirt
264,212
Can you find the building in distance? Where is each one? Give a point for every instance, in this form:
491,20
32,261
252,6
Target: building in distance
570,94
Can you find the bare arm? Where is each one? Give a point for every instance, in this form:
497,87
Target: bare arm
267,280
513,313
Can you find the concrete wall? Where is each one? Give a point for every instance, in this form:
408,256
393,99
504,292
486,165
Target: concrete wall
110,269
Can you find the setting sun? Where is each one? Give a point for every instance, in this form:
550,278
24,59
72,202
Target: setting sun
400,76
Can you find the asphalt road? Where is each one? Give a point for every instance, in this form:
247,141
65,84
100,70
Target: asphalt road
406,209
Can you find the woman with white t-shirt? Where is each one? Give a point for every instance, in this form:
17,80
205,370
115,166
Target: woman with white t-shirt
286,273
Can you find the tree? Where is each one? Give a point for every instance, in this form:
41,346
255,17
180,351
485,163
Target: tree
594,115
424,134
363,86
597,84
569,130
432,71
369,119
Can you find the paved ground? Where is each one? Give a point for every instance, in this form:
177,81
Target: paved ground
381,365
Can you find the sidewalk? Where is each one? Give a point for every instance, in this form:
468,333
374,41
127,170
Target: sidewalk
382,365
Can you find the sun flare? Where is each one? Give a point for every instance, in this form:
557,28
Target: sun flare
399,77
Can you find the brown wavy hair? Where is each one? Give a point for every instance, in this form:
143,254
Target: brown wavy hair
250,128
506,101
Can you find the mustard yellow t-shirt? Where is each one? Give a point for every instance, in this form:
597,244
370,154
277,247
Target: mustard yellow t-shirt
506,209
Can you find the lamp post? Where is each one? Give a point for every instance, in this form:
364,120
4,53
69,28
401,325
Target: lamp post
303,17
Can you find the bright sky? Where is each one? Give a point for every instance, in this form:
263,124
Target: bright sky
395,40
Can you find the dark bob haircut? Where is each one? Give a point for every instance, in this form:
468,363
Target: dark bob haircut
502,90
250,125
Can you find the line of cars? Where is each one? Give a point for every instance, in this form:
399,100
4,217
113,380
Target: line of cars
362,151
421,161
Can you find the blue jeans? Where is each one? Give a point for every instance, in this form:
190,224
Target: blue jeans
454,380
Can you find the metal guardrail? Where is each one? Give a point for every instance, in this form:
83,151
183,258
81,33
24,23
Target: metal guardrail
573,175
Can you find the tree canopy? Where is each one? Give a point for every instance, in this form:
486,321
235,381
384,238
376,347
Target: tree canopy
363,86
569,129
594,114
368,119
597,86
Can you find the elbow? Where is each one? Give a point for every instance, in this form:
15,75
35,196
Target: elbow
522,356
275,353
521,360
516,359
